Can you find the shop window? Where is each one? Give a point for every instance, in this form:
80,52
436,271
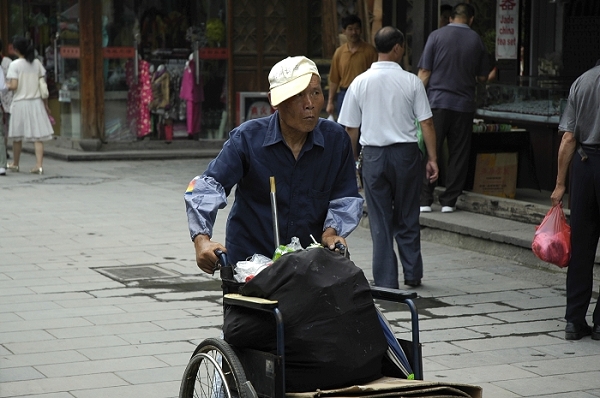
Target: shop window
164,69
49,25
118,53
68,69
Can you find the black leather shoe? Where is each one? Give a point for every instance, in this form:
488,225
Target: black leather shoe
576,331
596,332
412,282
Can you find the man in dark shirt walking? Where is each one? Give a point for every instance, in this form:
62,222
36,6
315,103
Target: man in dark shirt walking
453,61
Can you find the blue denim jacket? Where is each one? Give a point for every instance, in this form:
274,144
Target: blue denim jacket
316,191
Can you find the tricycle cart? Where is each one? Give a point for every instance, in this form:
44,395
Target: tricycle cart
218,369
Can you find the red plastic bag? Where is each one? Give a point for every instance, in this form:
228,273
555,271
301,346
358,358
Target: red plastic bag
552,239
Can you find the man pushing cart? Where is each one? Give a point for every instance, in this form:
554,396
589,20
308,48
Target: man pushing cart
309,161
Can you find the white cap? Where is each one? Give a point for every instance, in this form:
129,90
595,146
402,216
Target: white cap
290,77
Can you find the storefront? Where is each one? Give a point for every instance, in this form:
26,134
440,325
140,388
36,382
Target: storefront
107,61
121,70
552,43
538,47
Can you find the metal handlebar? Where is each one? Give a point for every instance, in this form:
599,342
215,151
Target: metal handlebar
343,250
222,256
221,259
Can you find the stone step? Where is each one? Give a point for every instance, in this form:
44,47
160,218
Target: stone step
483,233
530,208
496,226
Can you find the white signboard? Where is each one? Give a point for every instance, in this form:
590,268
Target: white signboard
507,29
252,105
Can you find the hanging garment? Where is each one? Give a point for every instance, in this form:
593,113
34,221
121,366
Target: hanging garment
139,97
160,90
145,99
132,97
193,94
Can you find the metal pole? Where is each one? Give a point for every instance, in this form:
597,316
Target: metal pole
136,59
274,212
197,61
56,79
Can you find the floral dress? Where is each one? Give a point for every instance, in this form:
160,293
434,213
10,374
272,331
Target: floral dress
138,98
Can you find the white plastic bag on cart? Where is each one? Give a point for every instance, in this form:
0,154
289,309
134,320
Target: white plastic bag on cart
246,270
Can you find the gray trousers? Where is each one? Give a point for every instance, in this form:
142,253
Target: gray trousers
392,178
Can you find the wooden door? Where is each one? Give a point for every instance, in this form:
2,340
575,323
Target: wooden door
261,33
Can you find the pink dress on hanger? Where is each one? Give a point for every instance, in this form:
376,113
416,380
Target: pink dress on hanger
193,94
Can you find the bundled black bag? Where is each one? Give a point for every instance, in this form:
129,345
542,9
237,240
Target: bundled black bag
332,334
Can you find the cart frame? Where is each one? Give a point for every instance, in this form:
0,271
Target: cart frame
264,373
248,373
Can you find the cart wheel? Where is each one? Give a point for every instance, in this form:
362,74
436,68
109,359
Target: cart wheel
215,372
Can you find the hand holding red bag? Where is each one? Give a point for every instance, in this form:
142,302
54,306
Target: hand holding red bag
552,239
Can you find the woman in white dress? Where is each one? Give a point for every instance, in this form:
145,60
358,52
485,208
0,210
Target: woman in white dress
29,112
2,143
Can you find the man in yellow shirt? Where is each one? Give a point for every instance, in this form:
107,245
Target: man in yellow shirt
349,60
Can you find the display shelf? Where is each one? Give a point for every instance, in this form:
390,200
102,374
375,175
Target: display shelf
516,117
537,101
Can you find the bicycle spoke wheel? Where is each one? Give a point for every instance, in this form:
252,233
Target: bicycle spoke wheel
214,372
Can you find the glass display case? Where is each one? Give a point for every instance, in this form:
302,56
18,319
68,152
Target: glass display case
533,100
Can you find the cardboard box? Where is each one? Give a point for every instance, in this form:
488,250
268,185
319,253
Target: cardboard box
496,174
392,387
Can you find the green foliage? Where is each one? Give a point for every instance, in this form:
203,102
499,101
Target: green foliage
215,32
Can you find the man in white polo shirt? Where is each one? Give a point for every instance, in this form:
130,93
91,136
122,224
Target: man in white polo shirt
385,101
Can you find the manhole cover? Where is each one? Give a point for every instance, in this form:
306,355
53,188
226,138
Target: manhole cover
72,180
136,272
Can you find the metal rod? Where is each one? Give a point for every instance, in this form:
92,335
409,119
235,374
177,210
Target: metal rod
136,60
56,79
197,61
274,212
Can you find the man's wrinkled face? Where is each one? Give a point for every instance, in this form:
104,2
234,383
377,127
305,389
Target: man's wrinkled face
300,113
352,33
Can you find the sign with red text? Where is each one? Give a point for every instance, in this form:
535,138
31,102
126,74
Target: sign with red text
252,105
213,53
118,52
69,52
507,29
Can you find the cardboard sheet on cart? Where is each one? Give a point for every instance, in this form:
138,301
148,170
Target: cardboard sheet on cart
391,387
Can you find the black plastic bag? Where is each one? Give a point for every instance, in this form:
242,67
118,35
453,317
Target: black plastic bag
332,334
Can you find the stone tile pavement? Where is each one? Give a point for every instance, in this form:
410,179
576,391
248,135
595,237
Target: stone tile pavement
100,296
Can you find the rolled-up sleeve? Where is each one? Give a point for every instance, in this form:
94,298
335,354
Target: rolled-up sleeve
344,214
203,198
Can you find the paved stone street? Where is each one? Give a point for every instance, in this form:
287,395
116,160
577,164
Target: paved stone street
100,295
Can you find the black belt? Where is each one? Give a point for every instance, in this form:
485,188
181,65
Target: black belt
584,148
591,147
